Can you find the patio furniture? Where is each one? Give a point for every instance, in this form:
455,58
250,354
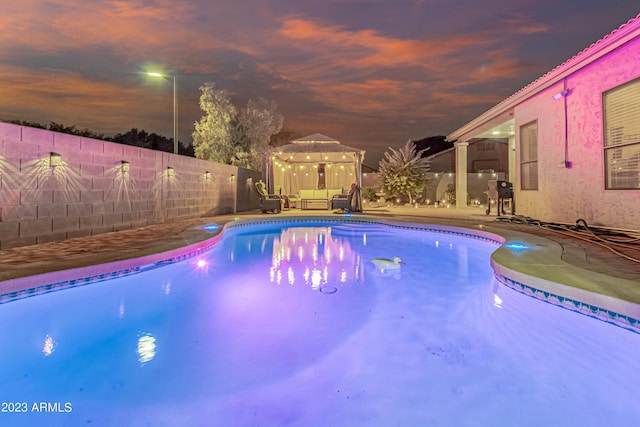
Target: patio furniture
268,202
343,202
317,199
290,200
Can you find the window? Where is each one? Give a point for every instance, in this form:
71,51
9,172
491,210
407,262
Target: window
622,136
529,156
486,146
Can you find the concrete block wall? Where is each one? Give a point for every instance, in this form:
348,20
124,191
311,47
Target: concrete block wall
90,192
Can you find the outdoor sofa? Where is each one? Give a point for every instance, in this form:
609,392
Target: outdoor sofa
318,199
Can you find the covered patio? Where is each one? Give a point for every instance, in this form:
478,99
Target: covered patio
315,162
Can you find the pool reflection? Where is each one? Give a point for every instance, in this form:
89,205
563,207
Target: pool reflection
312,255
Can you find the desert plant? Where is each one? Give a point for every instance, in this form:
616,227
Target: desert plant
403,171
369,194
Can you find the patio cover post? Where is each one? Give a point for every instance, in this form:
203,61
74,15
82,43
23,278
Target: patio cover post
461,174
512,159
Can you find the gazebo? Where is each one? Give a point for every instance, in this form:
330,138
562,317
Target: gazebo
313,162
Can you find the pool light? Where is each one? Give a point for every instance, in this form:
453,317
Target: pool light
211,227
517,246
201,263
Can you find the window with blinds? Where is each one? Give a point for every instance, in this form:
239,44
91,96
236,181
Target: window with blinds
529,156
622,136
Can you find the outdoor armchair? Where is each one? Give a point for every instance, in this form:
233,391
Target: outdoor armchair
268,202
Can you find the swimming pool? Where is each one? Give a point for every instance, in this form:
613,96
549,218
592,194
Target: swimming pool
293,325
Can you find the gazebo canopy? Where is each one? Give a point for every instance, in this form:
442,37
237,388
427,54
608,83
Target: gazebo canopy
315,161
316,148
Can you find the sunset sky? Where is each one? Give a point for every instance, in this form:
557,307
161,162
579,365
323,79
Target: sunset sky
370,73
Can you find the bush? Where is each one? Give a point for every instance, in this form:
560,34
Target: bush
369,194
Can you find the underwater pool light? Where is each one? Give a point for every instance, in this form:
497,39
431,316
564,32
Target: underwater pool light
517,246
201,263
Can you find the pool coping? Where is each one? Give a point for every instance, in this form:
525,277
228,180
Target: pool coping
511,269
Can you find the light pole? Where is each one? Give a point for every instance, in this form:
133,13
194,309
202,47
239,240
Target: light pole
175,110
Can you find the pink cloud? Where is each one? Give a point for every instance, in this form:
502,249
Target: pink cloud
521,24
343,77
366,48
415,76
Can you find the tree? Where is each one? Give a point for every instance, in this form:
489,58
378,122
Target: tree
213,135
59,127
140,138
284,137
254,128
403,171
434,144
224,136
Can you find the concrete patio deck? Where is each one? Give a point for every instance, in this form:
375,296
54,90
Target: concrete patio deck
559,263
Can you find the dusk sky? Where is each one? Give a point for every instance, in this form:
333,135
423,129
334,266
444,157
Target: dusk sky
369,73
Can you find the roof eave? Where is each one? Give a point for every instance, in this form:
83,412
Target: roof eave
619,37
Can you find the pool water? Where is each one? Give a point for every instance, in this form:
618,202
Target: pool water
282,325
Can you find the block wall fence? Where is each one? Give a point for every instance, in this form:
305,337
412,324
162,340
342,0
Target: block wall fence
92,191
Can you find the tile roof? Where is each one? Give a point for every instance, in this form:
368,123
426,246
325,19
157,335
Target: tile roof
621,35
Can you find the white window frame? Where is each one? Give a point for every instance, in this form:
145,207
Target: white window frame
529,157
621,136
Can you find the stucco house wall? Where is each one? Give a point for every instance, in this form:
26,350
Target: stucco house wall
90,192
570,151
479,157
489,154
442,171
566,194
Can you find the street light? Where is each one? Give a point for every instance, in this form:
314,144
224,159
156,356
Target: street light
175,110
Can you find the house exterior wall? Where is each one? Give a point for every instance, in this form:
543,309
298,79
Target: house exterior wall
486,155
442,171
89,193
479,158
567,194
444,161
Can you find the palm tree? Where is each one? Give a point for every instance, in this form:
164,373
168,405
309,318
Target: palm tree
403,171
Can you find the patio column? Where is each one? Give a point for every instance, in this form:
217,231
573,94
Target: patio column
512,160
461,174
